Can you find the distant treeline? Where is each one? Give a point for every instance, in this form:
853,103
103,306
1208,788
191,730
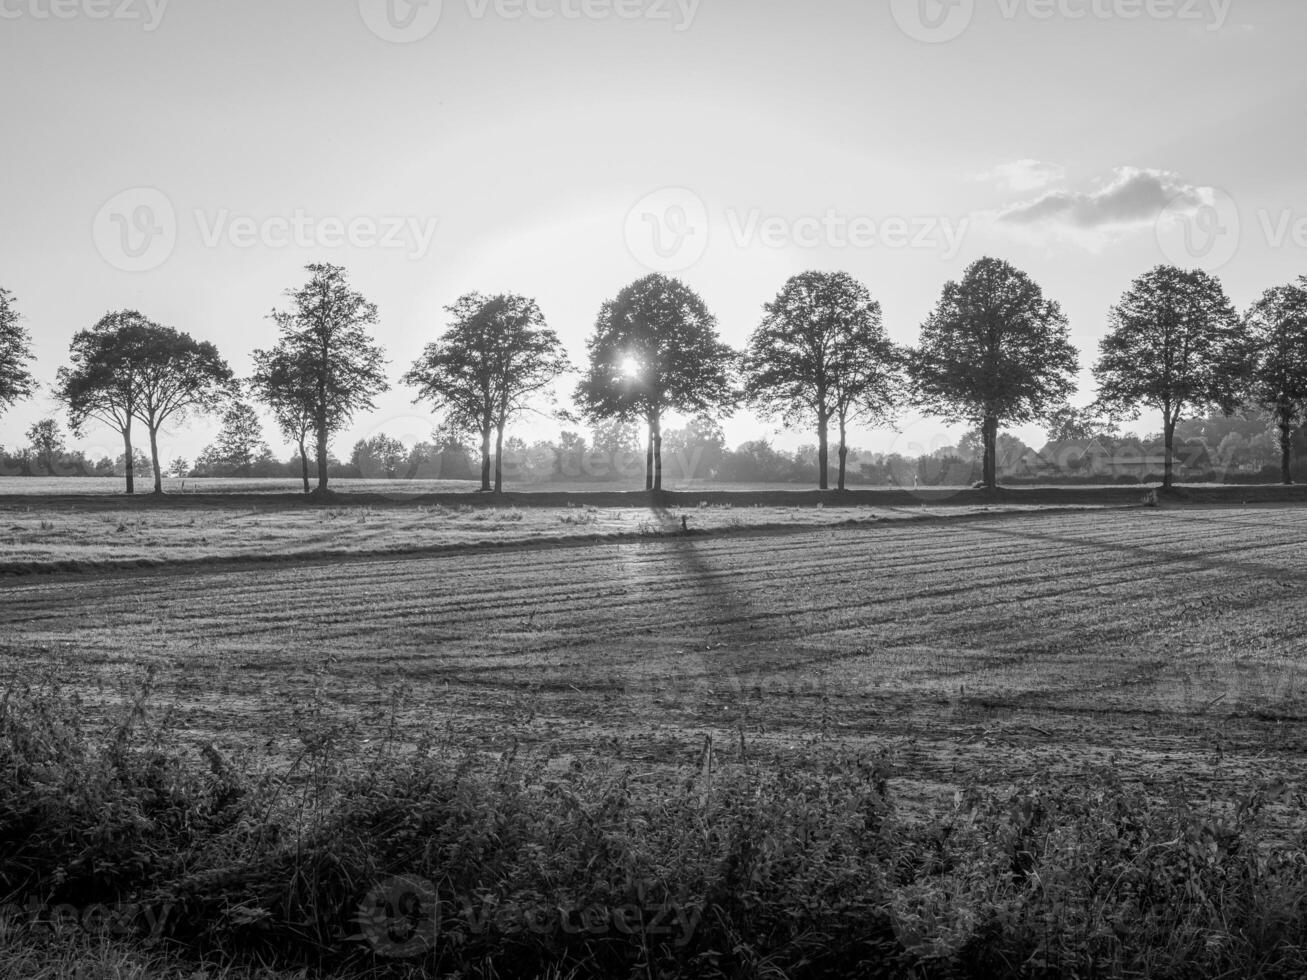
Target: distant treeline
1236,449
994,353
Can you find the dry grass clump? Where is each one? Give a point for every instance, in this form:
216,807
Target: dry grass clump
122,853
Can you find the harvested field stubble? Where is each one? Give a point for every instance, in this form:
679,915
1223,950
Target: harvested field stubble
1065,741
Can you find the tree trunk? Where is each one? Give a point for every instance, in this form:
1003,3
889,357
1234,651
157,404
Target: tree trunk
499,459
649,458
154,458
322,456
1168,478
1286,453
823,451
844,452
657,431
485,459
130,458
304,461
990,431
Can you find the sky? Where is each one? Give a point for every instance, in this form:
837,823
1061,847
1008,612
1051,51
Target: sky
187,158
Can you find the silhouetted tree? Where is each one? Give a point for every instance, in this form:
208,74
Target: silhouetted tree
239,445
328,355
1174,344
497,357
47,442
655,350
380,456
821,355
994,351
1277,325
103,383
177,375
1070,423
288,388
15,352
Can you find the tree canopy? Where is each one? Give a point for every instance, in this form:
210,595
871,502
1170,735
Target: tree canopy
177,375
1175,344
496,358
102,383
994,351
1277,327
330,358
655,350
16,380
821,355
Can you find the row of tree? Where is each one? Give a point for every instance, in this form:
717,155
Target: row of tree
993,352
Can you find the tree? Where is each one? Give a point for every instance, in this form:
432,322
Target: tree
103,384
497,357
329,358
287,387
179,468
1067,423
177,375
821,355
240,443
994,351
379,456
15,352
127,368
1277,326
655,350
1174,344
47,442
698,447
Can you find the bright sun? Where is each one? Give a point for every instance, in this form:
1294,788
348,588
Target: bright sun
630,368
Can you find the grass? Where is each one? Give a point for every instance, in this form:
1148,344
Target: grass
41,536
1034,744
435,860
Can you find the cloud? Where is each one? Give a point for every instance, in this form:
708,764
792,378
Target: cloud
1130,199
1024,175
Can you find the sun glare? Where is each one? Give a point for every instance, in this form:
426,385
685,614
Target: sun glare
630,368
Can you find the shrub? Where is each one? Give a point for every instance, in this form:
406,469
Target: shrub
331,863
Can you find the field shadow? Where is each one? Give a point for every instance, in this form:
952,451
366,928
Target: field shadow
1204,559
